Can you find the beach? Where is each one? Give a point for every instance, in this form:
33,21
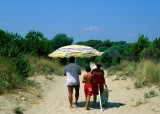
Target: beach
53,98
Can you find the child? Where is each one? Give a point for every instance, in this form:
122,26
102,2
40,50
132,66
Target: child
88,80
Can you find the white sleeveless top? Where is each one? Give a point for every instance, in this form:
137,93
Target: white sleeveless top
72,72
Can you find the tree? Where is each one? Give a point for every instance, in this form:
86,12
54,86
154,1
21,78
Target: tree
105,58
156,43
93,43
11,44
80,43
136,49
37,44
104,45
60,40
45,47
152,52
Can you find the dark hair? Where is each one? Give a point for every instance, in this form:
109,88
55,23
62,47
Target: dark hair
98,66
72,59
88,69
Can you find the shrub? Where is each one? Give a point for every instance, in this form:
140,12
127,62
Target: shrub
150,94
23,66
83,62
15,81
7,65
7,68
18,110
137,84
3,84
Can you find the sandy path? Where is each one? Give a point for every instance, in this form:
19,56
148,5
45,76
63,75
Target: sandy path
123,99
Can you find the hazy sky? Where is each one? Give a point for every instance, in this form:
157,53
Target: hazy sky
116,20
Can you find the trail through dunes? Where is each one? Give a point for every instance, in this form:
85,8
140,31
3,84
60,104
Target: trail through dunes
123,99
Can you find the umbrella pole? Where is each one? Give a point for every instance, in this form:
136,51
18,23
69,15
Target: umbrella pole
100,98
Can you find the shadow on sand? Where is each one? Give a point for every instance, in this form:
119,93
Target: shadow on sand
107,106
113,105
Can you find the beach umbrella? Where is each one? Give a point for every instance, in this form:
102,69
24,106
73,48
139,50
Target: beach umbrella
76,51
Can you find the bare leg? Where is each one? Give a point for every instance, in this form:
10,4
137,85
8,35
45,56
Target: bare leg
86,97
70,91
77,93
94,99
87,102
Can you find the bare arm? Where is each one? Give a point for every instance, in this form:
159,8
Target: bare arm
104,80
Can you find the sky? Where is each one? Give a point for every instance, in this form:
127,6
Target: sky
83,20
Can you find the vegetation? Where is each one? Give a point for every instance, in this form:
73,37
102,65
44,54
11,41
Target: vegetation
145,72
18,110
60,40
22,57
150,94
46,66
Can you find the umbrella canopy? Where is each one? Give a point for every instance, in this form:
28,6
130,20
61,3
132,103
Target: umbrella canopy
76,51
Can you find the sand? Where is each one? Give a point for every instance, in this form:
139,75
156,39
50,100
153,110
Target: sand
53,99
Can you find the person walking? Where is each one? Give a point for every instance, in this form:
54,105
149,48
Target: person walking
98,76
88,88
72,72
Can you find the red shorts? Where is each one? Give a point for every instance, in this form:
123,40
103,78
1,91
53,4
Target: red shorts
88,89
95,89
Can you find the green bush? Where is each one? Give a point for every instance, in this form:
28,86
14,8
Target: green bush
14,71
3,84
137,84
83,62
18,110
7,68
15,81
7,65
150,94
23,66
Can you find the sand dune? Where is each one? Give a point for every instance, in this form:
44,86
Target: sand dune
123,99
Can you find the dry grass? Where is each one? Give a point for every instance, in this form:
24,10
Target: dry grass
46,66
144,73
34,91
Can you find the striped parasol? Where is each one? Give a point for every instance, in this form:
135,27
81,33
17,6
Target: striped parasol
76,51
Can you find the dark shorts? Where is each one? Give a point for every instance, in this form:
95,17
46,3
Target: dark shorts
73,85
76,87
95,89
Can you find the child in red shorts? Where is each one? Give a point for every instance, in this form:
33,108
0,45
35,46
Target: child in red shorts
88,89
